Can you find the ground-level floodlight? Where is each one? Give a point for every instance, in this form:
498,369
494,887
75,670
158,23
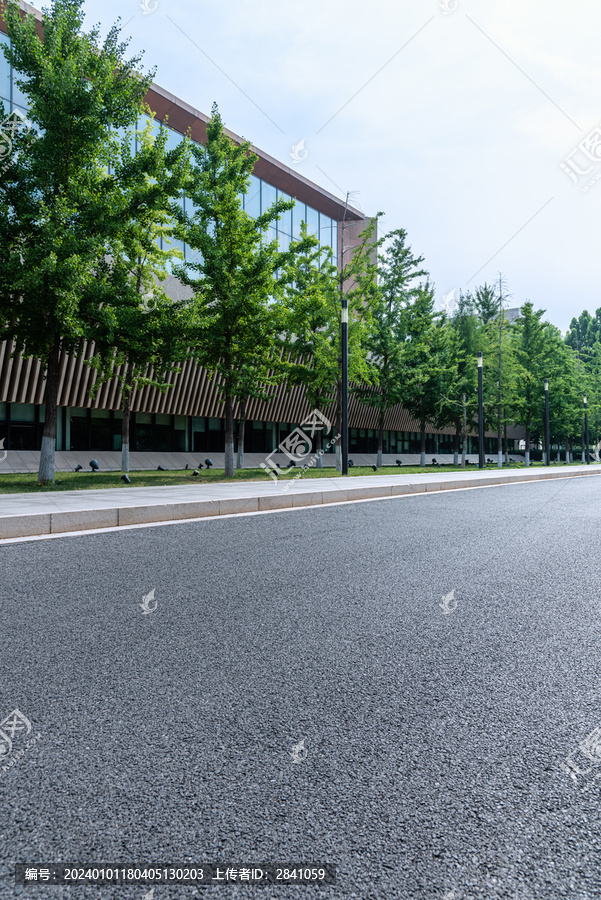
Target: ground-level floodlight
351,463
375,468
208,463
78,468
94,465
161,469
195,473
187,466
399,463
126,479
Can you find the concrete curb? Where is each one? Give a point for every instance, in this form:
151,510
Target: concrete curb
86,519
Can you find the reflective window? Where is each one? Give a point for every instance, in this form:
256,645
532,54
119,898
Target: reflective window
285,221
268,196
252,200
299,214
19,98
121,133
143,122
283,241
192,255
174,139
335,242
325,230
312,221
4,71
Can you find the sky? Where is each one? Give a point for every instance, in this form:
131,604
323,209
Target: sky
460,120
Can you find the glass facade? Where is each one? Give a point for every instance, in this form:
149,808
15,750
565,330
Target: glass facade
83,429
260,196
4,73
90,430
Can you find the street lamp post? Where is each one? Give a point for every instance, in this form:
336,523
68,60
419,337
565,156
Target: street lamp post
588,456
344,336
547,426
480,414
344,350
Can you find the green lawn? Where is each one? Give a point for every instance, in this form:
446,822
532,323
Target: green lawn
70,481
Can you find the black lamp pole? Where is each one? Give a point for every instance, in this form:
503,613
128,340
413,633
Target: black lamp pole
588,456
547,426
480,414
344,324
344,349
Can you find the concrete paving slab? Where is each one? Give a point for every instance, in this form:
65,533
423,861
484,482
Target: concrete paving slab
22,515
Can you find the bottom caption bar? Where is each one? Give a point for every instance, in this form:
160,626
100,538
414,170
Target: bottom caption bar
199,875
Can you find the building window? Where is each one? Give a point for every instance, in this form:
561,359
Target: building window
312,221
252,200
268,196
144,432
78,429
4,73
299,214
216,436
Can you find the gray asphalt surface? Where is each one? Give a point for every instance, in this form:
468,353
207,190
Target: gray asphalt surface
435,741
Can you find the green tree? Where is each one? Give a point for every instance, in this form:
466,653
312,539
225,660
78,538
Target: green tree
486,300
528,403
235,277
140,333
59,208
457,406
387,339
311,334
430,361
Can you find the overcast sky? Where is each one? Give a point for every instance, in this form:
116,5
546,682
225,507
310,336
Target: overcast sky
454,122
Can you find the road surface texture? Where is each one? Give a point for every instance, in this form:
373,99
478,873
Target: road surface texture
433,659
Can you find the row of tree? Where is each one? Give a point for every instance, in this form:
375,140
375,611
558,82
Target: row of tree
89,230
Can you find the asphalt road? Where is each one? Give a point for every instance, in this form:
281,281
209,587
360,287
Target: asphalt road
434,737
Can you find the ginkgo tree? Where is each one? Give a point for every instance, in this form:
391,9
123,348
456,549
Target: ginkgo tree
311,334
59,206
234,280
141,334
386,341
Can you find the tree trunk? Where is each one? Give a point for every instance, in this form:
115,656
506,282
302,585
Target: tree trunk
241,430
46,470
380,438
506,451
229,436
318,449
422,444
456,442
129,377
464,442
527,443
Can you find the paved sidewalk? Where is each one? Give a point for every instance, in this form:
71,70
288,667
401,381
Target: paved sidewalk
23,515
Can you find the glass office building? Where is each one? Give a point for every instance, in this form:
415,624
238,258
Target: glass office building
189,416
